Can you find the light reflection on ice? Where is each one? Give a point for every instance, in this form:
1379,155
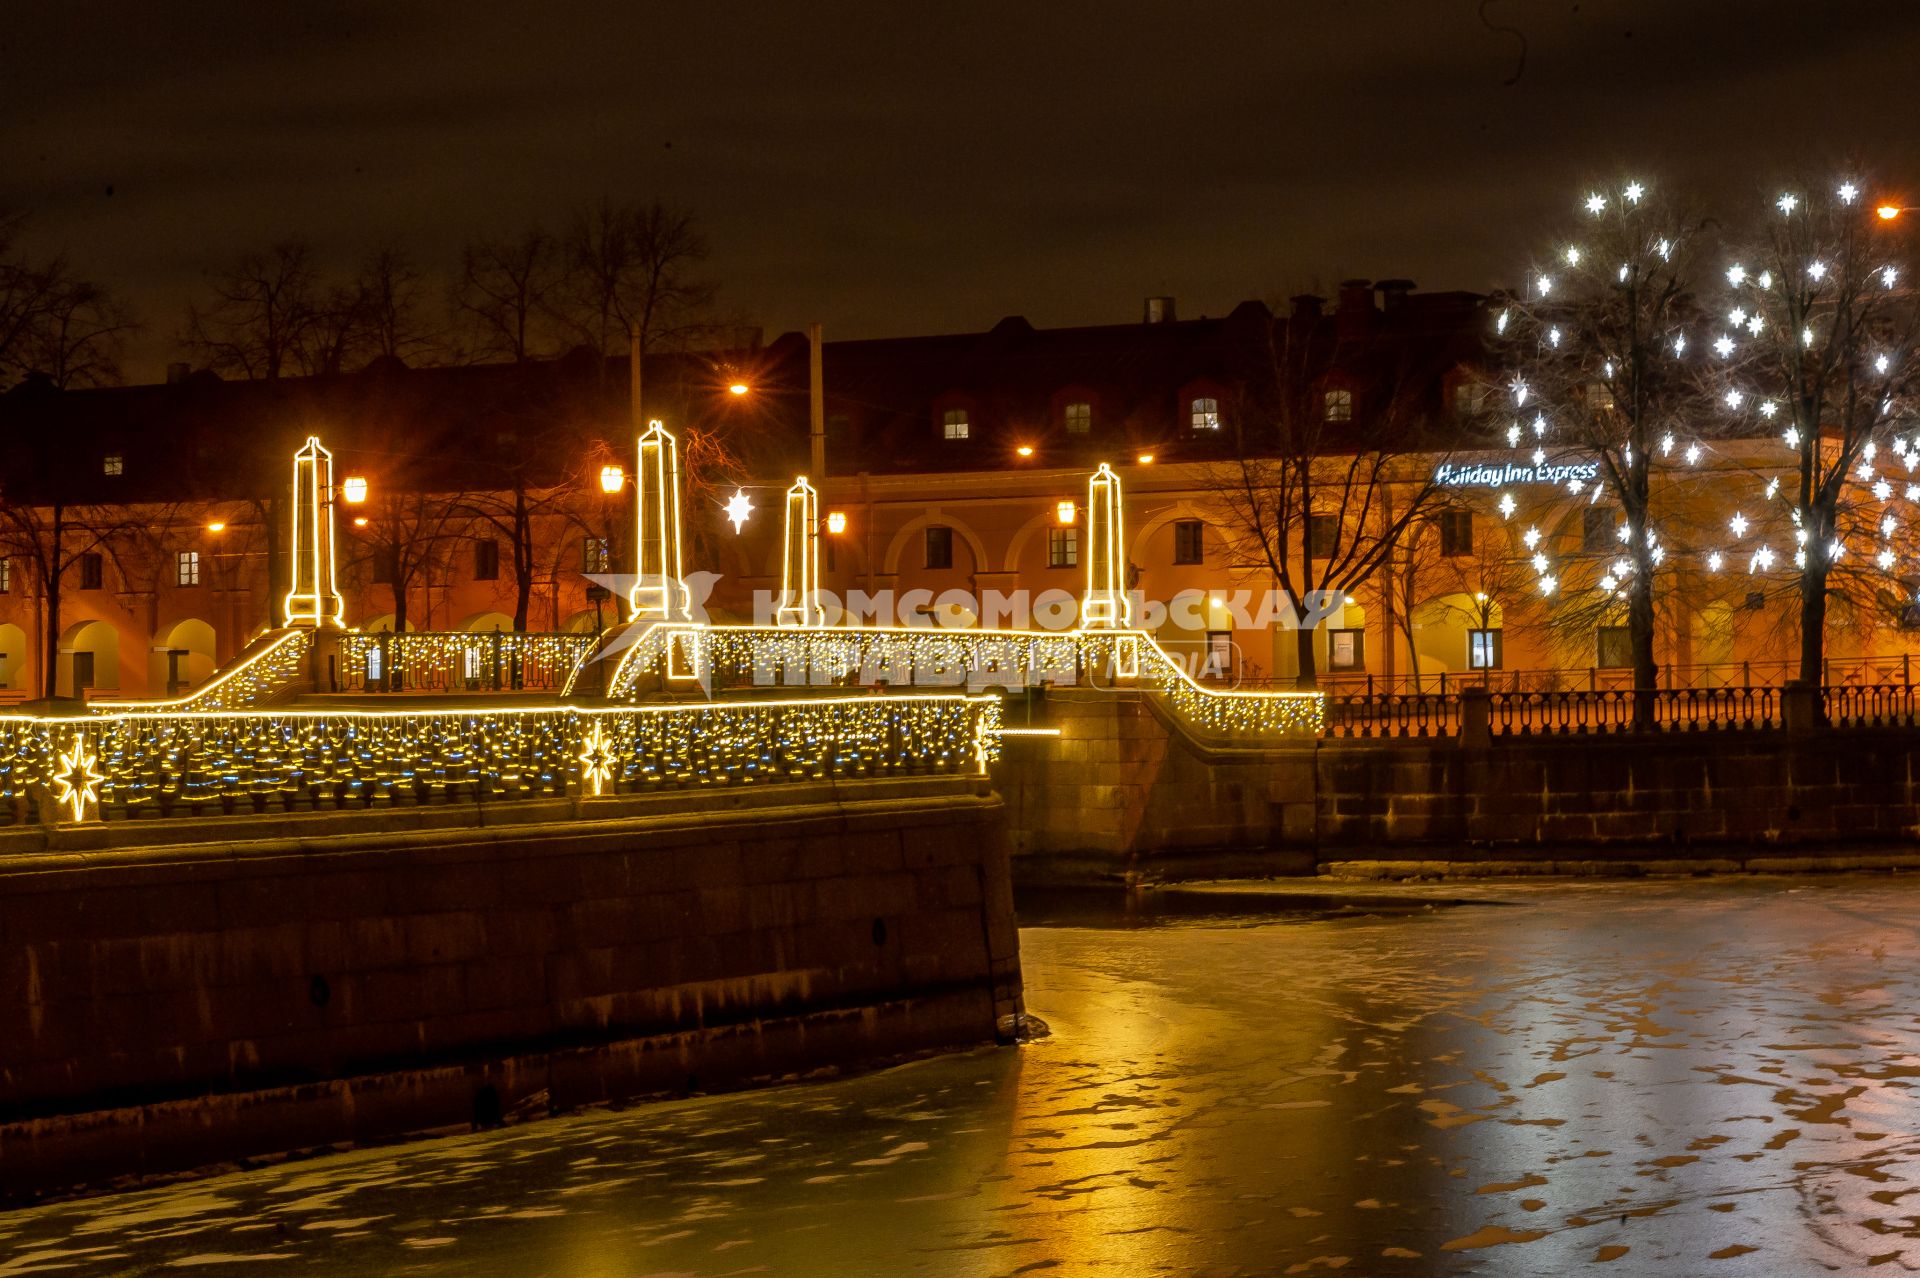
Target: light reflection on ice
1663,1078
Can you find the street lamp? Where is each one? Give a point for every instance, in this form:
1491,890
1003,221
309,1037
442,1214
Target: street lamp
836,521
738,388
354,489
216,526
1025,450
1065,512
612,479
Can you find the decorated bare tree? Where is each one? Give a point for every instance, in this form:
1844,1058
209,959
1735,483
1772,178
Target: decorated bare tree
1603,343
1816,348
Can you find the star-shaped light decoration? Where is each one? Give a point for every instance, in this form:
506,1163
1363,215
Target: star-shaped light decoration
1634,191
739,507
77,783
596,759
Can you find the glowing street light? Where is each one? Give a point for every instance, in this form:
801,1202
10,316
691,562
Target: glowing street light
738,388
359,521
836,521
612,479
1025,450
1065,512
354,489
216,526
1145,459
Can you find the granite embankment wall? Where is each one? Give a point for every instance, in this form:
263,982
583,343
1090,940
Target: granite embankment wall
325,978
1123,790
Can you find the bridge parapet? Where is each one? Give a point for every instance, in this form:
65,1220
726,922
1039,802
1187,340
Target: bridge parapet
727,658
179,762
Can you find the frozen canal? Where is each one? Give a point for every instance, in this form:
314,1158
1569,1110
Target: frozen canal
1714,1077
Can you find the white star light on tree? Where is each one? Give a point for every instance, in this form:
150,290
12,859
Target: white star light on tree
739,507
1634,191
1596,203
1787,203
1848,192
77,784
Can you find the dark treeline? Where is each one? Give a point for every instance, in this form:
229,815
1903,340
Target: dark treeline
606,270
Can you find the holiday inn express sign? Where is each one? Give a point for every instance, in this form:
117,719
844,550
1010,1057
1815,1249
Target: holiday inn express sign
1509,474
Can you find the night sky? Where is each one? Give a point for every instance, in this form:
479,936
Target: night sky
910,168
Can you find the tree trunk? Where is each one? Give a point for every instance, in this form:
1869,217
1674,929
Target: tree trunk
1303,646
522,561
1813,620
1646,674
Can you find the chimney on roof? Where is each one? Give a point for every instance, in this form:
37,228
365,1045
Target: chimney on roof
1307,306
1393,293
177,372
1159,311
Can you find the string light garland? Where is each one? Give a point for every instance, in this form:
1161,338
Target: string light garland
762,656
450,659
142,764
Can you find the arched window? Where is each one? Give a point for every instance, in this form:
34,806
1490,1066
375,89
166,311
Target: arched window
1204,413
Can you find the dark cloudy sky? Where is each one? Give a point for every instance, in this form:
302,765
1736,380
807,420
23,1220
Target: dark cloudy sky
910,167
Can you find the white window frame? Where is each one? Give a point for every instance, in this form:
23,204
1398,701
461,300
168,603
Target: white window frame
955,425
1203,413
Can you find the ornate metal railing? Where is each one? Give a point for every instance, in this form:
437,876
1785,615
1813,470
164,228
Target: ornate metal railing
1872,706
1611,710
458,661
151,764
1410,715
726,658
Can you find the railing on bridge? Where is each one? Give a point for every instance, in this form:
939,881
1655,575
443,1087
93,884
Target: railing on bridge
459,661
1873,706
724,659
169,763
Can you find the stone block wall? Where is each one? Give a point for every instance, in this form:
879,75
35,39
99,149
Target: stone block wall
1601,795
172,1004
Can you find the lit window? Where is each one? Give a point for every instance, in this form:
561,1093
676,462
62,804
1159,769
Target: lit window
1079,419
1188,541
1347,649
594,555
186,568
1204,413
113,464
1469,398
1456,533
470,664
1063,547
1337,406
954,424
1483,649
939,546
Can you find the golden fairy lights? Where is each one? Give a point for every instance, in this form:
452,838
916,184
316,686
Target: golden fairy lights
148,764
751,656
453,659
